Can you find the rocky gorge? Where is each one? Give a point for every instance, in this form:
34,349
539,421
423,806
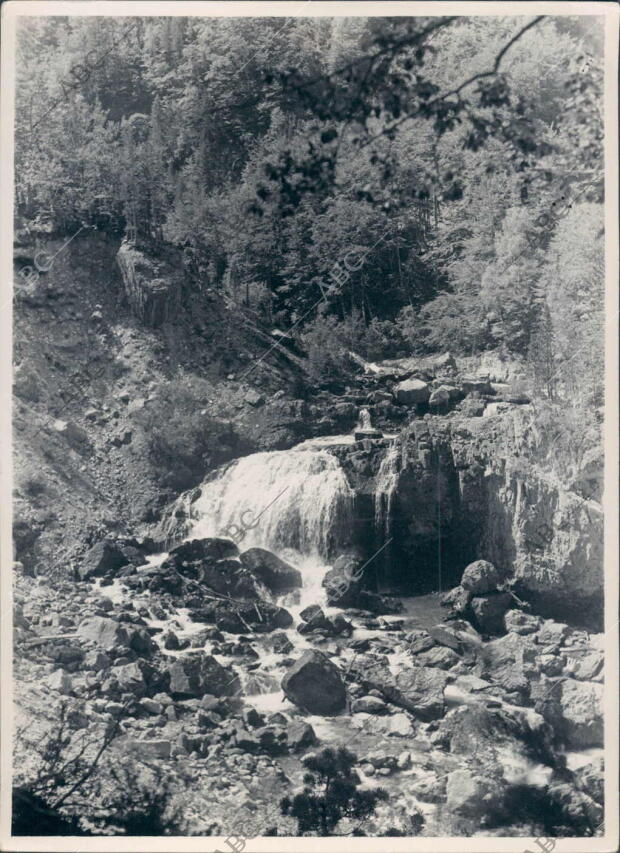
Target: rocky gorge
430,595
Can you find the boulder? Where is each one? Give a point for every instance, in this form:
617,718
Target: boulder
201,550
421,691
61,682
343,581
489,611
456,600
300,735
439,656
439,397
315,684
368,705
130,678
279,577
103,631
418,641
481,577
198,673
104,558
582,713
412,391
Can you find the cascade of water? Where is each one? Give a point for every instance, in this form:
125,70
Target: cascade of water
385,488
296,500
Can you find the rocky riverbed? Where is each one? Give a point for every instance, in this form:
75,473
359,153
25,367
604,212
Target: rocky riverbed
470,709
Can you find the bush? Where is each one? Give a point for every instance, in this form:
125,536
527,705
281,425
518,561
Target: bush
330,794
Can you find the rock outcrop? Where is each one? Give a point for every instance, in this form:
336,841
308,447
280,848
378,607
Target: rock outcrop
152,286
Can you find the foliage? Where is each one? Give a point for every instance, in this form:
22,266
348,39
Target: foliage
337,161
330,794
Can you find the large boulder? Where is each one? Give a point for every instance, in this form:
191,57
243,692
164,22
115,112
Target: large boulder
419,690
278,576
582,713
412,391
104,558
480,577
315,684
198,673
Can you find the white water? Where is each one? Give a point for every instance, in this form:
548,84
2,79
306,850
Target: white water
387,479
287,500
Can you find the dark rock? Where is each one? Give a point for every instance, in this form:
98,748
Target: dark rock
203,550
481,577
105,557
343,581
315,684
368,705
456,600
489,611
418,641
279,643
197,673
279,577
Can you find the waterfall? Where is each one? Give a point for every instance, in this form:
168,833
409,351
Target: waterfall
385,488
297,500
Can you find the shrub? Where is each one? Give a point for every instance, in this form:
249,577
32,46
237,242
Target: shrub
330,794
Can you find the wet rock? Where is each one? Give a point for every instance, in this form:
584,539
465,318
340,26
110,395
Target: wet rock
489,611
209,549
279,577
412,391
343,581
104,558
421,691
279,643
261,617
315,684
197,673
591,780
580,807
481,577
582,713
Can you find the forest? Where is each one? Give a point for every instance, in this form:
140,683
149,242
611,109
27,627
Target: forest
385,185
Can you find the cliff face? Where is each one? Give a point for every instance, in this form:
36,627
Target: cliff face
454,489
